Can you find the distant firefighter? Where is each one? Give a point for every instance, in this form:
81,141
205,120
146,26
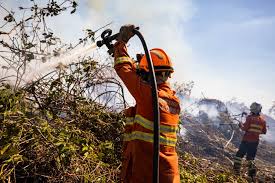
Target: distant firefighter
254,126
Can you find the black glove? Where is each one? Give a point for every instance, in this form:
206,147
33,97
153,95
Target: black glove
244,114
125,33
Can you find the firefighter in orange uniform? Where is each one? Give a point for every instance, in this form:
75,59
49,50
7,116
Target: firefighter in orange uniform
253,127
138,137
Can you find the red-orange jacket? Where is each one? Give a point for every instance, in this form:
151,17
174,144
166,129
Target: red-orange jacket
138,154
253,127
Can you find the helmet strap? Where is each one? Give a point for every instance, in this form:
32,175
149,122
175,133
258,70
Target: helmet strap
139,57
144,75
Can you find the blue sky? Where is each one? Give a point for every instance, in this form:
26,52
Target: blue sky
233,46
225,46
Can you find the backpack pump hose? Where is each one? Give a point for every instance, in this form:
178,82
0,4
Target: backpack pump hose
107,38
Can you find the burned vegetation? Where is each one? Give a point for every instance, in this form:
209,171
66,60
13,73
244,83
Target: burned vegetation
65,125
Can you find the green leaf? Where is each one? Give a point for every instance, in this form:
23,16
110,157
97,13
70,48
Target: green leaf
4,149
85,148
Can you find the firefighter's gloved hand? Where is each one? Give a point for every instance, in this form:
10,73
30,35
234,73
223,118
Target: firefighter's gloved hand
244,114
125,33
240,125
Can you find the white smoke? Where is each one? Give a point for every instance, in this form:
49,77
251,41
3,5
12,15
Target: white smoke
161,23
191,106
210,111
235,107
62,60
270,134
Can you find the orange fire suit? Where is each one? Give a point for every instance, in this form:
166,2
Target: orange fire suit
253,127
137,165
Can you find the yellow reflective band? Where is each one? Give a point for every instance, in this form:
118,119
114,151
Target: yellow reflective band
256,126
148,137
129,120
120,60
254,130
238,160
150,125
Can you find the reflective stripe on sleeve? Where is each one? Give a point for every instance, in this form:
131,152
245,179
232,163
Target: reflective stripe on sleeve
120,60
129,121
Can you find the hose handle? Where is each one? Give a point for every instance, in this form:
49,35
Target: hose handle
107,39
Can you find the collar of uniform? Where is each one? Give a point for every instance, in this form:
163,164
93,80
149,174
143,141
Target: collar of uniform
164,86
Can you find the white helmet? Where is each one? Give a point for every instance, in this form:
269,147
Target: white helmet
255,108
